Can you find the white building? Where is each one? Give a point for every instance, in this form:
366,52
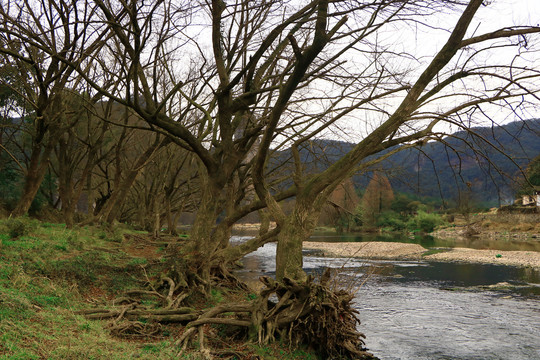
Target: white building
532,200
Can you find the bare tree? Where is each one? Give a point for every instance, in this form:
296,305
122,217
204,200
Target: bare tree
34,39
454,86
166,187
210,107
132,147
75,154
234,82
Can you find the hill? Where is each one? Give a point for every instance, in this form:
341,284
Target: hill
483,165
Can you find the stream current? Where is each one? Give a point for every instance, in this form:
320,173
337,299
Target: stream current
431,310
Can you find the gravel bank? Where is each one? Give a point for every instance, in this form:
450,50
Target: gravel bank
394,250
370,250
513,258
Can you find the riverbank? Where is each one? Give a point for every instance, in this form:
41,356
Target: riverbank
368,250
104,293
495,225
510,258
403,251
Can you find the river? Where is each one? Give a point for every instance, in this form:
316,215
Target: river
430,310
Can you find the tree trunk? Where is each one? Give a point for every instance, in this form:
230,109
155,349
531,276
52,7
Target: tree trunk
297,228
33,181
234,253
112,208
171,220
175,217
157,217
34,177
204,227
68,209
66,192
265,221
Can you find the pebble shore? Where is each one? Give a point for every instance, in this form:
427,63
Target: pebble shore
394,250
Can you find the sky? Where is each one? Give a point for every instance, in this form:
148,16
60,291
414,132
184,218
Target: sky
424,42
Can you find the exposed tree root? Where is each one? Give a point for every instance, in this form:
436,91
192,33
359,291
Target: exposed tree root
135,328
309,314
181,315
128,311
221,275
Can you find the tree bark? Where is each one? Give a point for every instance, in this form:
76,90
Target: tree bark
113,206
171,220
39,161
202,232
297,228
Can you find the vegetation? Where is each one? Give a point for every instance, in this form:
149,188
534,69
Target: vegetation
47,273
391,213
377,199
139,111
52,278
533,171
531,182
425,222
415,221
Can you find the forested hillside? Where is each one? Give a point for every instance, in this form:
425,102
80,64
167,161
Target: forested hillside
453,168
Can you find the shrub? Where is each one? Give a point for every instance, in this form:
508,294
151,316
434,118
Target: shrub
392,220
426,222
20,226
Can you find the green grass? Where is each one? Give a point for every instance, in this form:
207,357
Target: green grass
277,352
48,272
45,272
216,296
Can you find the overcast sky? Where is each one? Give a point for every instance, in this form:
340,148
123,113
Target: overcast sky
424,42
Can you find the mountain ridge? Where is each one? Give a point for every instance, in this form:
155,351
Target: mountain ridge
484,164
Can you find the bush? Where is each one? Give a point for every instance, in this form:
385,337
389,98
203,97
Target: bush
426,222
392,220
21,226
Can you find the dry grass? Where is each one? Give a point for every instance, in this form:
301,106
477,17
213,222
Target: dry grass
509,222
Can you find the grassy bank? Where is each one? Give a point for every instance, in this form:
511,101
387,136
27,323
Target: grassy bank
48,273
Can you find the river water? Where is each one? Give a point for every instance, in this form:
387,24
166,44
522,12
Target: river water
429,310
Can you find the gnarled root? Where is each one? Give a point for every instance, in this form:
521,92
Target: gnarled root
134,328
307,313
128,309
